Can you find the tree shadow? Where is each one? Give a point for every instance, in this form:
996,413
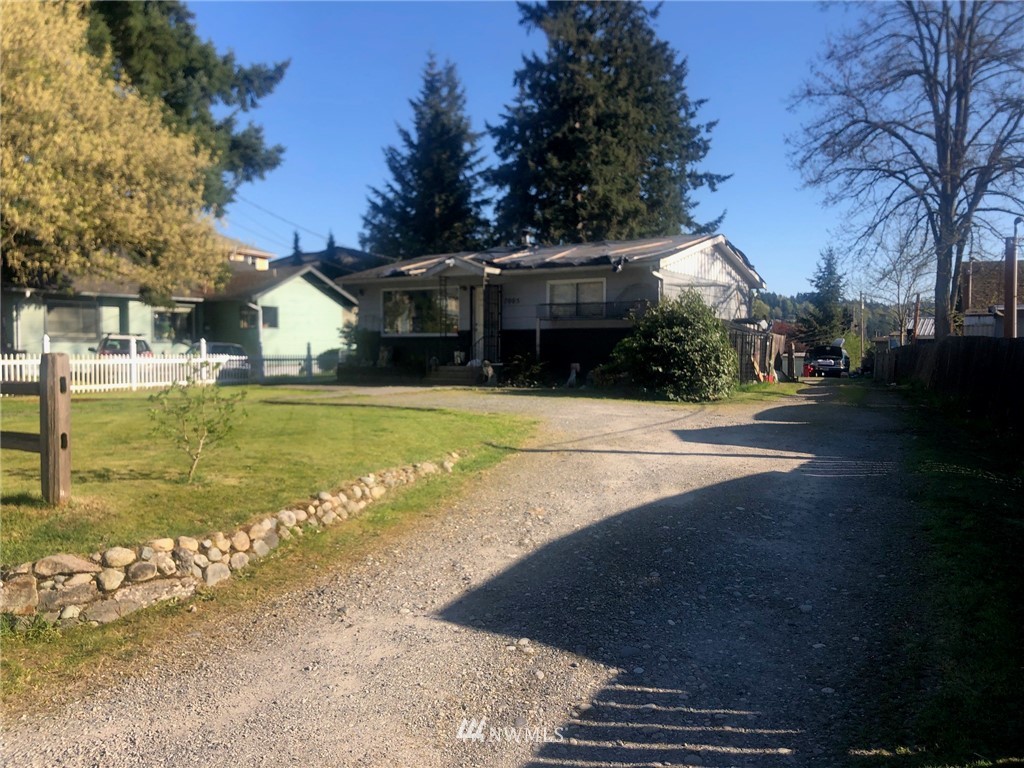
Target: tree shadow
696,602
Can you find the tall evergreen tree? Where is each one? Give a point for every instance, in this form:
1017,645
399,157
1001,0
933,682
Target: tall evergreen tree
433,203
331,245
602,140
156,45
827,319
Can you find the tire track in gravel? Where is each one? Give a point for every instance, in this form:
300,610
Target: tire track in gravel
643,585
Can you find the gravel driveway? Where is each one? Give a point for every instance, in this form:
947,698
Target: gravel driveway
645,584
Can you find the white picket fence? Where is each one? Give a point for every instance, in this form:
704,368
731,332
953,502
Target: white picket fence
90,373
94,373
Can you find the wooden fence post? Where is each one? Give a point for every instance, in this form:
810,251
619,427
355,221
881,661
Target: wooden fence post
55,427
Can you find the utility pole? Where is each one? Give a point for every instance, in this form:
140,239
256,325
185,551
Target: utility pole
862,332
917,317
1010,285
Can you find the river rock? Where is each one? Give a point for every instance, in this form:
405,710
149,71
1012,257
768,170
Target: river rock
221,542
184,559
239,560
161,545
55,599
377,492
77,579
286,517
55,565
240,541
215,573
118,557
19,596
271,539
141,571
165,564
260,548
215,553
187,542
110,579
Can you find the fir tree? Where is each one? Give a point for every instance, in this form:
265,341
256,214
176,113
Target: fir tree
827,319
602,140
331,245
433,203
156,46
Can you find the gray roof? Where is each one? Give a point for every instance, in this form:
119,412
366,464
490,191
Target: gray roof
514,258
247,283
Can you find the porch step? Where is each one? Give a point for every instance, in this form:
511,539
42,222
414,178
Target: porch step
455,376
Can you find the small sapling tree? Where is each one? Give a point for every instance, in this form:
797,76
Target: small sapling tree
195,416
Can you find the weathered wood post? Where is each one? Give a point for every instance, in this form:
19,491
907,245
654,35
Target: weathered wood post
55,427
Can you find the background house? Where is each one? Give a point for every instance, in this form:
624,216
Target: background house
334,262
564,304
983,298
269,310
278,311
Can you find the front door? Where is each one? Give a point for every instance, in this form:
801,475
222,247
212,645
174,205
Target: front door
485,321
492,323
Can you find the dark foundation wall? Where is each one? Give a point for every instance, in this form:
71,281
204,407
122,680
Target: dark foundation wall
413,353
559,348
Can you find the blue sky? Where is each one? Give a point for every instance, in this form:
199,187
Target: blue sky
355,65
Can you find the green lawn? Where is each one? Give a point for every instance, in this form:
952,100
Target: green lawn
128,485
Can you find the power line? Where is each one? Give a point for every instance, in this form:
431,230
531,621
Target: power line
260,222
281,218
261,236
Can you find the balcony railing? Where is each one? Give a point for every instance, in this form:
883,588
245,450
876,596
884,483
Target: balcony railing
592,310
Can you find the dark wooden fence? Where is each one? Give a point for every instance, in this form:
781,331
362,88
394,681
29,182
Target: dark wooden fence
986,375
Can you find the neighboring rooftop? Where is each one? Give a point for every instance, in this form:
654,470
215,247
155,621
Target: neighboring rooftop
528,257
334,263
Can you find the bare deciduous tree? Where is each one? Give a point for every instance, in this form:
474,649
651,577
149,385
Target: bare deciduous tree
920,114
901,263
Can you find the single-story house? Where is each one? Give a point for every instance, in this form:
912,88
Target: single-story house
279,311
564,304
983,298
268,310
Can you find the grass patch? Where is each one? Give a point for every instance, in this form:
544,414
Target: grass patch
969,665
128,486
47,666
764,392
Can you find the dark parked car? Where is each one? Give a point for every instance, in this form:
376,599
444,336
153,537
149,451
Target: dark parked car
121,344
831,360
219,348
237,369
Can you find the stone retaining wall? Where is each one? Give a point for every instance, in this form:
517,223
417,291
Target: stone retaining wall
69,589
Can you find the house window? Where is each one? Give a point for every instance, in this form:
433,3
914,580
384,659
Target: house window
72,319
173,324
426,311
270,317
248,317
576,298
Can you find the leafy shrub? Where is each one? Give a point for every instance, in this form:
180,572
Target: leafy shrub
524,371
680,350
